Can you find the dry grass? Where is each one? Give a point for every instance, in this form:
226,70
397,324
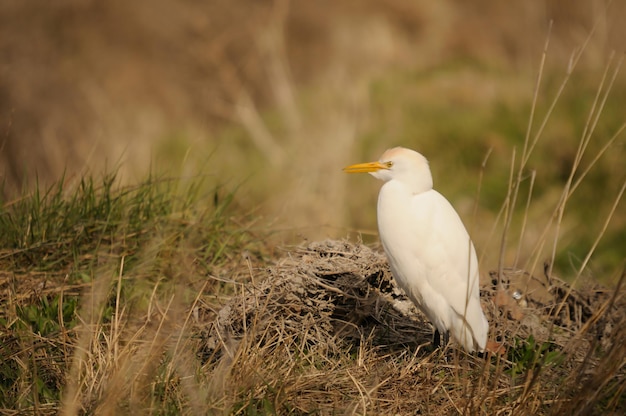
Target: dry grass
186,311
326,331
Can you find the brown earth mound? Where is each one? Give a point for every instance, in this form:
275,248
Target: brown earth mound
325,294
330,293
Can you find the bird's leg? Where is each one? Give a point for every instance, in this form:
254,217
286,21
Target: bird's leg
446,338
437,339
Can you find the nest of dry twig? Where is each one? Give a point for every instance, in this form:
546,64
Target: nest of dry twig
330,293
329,317
324,295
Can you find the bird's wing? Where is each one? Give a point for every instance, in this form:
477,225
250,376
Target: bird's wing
428,248
447,255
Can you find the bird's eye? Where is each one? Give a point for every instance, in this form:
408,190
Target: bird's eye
389,164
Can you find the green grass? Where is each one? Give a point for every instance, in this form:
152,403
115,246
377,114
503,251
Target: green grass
55,245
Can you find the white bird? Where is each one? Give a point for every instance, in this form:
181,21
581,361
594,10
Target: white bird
429,250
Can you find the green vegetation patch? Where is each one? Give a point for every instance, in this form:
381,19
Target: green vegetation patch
91,254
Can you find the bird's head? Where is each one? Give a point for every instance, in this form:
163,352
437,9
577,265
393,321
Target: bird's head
399,164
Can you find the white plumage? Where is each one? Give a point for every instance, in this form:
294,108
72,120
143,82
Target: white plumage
429,250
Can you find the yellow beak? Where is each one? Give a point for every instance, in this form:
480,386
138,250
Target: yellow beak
365,167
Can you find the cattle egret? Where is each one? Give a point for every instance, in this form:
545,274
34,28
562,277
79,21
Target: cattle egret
429,250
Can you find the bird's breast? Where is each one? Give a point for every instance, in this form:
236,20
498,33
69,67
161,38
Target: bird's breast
404,232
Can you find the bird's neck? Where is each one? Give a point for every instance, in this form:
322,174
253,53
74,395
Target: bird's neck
417,184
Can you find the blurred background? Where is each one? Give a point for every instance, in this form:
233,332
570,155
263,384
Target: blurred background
271,98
